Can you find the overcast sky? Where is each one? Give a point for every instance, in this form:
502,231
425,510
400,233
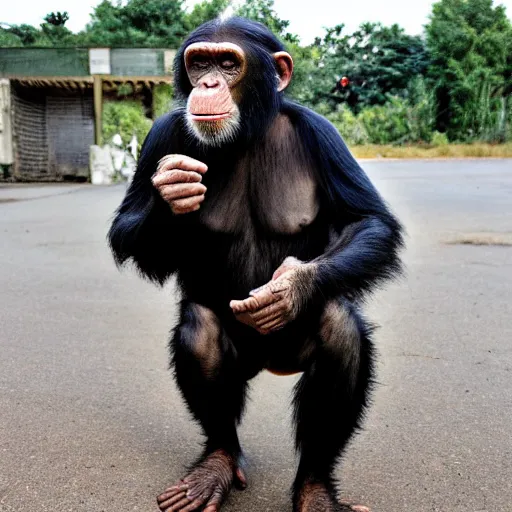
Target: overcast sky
307,17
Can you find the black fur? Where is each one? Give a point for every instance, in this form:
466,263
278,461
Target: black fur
354,240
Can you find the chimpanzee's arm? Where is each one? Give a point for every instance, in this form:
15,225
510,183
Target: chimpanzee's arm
367,237
144,229
365,243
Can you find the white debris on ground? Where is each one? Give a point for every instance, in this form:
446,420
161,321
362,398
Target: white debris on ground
112,163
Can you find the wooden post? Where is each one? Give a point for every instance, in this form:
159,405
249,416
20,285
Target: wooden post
98,109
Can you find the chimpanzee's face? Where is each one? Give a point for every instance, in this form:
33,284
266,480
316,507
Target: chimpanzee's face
216,72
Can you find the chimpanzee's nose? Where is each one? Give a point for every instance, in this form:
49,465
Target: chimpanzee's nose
210,82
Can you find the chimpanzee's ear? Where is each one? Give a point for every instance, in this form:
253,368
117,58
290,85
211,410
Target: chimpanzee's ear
284,63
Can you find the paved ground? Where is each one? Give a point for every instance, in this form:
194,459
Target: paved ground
91,421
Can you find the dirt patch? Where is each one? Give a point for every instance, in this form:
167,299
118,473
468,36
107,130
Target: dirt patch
487,239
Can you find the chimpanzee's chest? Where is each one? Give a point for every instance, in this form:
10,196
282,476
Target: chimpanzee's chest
271,189
282,204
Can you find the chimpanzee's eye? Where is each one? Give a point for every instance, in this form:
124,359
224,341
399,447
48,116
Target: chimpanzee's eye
199,62
227,61
227,64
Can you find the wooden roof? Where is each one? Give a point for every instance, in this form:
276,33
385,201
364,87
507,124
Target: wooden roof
86,82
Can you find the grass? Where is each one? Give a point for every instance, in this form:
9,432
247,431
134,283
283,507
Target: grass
478,150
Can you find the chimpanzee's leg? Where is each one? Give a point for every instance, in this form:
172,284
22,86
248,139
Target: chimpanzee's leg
212,384
329,403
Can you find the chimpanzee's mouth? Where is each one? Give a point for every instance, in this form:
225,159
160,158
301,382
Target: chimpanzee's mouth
210,117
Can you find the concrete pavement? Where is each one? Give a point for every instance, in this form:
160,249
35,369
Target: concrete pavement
90,419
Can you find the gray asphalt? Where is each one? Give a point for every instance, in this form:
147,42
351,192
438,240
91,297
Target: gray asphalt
90,419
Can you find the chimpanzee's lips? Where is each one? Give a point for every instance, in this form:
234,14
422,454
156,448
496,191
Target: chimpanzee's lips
210,117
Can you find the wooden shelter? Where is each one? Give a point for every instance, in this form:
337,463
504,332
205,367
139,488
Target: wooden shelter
56,100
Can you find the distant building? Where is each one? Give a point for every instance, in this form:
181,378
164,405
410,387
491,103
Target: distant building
51,104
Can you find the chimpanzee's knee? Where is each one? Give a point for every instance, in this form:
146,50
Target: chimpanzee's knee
342,335
198,338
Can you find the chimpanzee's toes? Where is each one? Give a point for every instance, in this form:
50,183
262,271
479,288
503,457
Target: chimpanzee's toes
355,508
205,487
317,497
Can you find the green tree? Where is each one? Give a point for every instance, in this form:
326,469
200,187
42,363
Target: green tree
378,61
136,23
51,33
471,46
127,118
205,11
54,32
18,35
7,38
263,11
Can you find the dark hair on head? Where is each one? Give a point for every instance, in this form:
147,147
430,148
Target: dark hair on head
260,98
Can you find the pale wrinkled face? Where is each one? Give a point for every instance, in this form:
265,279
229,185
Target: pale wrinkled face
215,71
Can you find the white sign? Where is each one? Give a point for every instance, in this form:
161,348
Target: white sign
99,61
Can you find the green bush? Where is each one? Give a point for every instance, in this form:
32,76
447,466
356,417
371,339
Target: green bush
162,99
440,139
421,111
126,118
401,120
350,127
387,124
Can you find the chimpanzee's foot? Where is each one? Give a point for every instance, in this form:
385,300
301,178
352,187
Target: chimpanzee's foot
206,486
354,508
316,497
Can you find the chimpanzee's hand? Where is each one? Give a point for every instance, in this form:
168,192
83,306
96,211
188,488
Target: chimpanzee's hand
277,303
178,180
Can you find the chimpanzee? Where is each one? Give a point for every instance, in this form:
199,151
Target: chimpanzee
275,235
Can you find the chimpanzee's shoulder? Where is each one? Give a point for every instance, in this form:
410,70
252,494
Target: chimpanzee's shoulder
299,115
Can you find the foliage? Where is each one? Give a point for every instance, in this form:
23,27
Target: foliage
51,33
136,23
378,61
162,99
471,46
8,39
387,123
421,110
24,35
453,85
304,84
399,121
126,118
124,89
54,33
263,12
347,123
205,11
439,139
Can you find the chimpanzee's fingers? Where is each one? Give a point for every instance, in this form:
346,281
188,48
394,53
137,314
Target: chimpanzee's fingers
280,271
187,205
269,319
181,162
275,325
268,312
176,176
264,297
178,506
259,298
246,319
243,306
290,263
194,505
182,190
172,500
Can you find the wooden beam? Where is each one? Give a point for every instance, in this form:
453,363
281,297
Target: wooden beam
98,109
